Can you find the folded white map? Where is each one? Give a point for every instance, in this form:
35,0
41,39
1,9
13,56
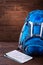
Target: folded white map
18,56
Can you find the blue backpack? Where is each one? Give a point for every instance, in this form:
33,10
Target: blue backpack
31,36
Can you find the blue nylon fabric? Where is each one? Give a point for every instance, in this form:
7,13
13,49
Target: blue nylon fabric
35,16
36,30
33,46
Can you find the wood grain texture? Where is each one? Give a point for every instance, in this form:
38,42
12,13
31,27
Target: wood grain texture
12,17
9,46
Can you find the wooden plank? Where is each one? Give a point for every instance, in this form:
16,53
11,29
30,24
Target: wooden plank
12,16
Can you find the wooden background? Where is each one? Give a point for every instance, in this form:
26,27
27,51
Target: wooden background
12,16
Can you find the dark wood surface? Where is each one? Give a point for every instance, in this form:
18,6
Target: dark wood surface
9,46
12,16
